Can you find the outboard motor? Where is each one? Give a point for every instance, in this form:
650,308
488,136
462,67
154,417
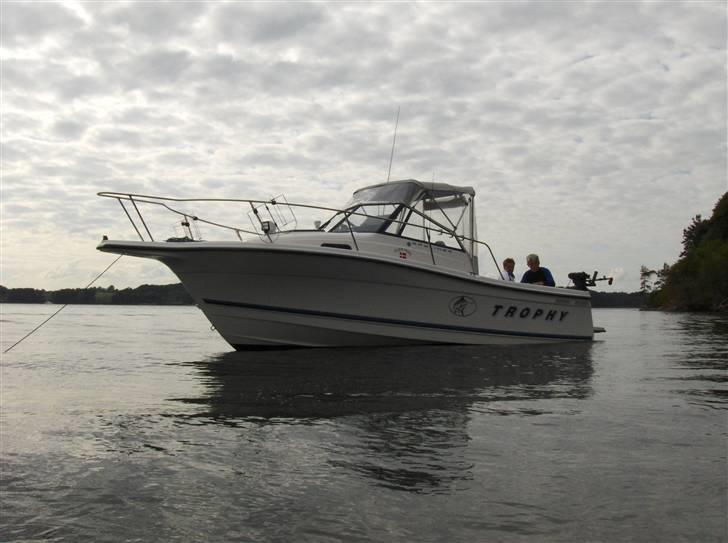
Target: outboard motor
581,280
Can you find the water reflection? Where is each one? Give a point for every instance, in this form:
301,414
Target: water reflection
401,413
701,354
327,383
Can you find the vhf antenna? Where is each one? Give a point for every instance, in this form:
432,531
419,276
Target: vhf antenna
394,140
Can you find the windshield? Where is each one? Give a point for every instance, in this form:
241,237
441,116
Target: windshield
431,213
396,192
368,218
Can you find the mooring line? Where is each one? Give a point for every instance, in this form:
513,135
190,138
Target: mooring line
62,307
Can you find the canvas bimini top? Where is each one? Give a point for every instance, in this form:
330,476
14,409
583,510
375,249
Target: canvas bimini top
408,191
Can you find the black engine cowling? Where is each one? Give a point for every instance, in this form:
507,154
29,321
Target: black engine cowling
581,280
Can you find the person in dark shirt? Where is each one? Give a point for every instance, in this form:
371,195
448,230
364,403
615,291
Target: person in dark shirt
536,274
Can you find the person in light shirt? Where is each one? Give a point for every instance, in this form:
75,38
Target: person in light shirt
508,266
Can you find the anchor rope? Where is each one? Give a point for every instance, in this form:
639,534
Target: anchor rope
62,307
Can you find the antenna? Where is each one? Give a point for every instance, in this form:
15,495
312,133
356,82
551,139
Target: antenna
394,140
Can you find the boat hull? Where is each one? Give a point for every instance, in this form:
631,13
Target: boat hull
272,297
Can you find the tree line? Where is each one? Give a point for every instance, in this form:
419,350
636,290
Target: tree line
173,294
698,281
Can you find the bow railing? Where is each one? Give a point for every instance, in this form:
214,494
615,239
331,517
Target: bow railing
263,210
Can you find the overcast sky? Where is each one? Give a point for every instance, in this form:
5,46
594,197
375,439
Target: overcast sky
592,132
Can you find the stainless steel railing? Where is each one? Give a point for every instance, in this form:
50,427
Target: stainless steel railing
352,211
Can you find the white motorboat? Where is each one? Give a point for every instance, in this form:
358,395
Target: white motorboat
397,265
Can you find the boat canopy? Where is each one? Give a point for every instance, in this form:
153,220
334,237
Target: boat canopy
408,191
433,213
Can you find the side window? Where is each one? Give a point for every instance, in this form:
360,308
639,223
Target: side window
440,237
418,227
414,222
414,229
398,219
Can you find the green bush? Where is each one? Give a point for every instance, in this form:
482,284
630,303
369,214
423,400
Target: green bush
699,280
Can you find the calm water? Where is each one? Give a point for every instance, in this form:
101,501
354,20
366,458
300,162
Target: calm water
138,424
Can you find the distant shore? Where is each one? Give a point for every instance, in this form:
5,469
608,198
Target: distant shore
175,294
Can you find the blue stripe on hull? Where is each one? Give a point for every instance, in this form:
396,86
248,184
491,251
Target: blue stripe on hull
378,320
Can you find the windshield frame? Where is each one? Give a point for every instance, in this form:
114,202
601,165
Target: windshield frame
412,199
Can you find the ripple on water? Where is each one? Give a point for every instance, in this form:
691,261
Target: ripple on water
140,431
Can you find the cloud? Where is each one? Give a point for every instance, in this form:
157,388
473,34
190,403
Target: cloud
153,20
68,129
30,23
261,24
156,67
592,132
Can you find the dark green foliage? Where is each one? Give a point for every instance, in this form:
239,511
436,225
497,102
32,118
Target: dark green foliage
24,296
146,294
73,296
646,276
693,234
153,294
699,280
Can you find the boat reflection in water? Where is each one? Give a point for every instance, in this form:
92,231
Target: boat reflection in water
398,416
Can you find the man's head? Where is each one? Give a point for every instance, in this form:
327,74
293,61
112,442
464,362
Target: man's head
533,262
509,265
